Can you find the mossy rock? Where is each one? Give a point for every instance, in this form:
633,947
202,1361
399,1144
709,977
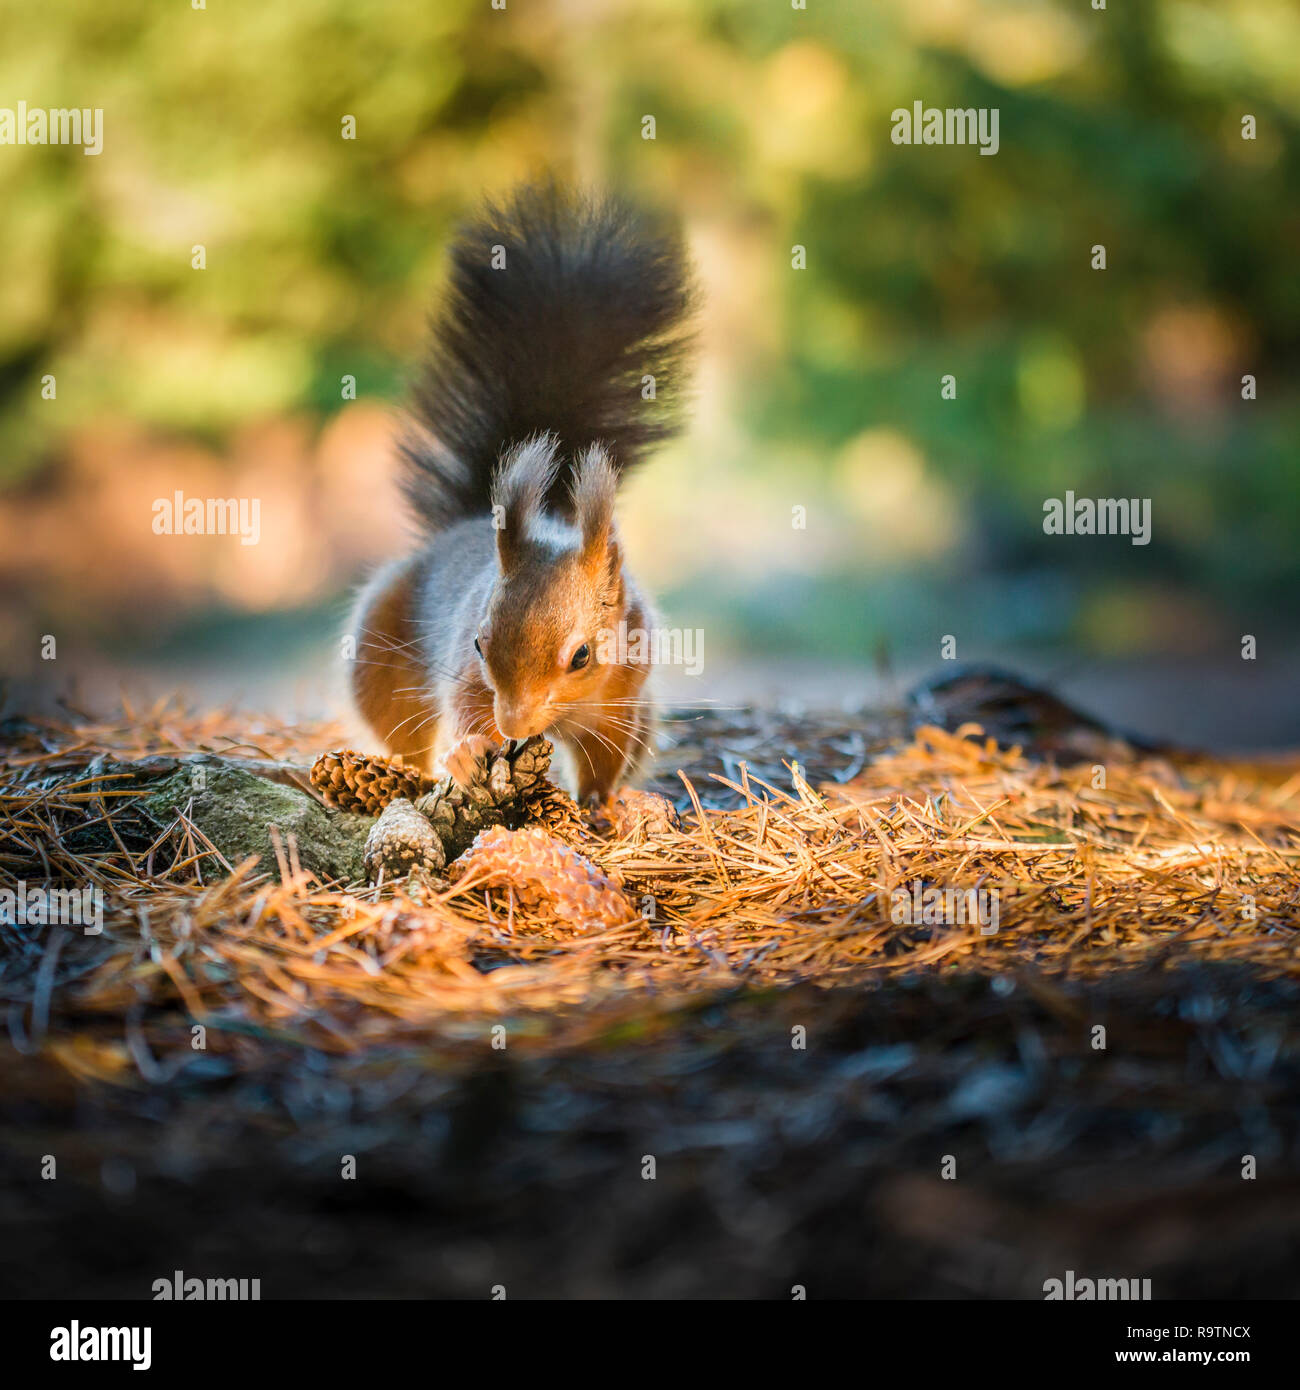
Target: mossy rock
236,809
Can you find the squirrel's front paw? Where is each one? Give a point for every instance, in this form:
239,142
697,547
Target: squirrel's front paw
465,762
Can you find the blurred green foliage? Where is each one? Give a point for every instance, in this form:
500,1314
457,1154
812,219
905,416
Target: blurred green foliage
1119,127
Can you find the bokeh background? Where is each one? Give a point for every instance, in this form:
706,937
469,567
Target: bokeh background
817,387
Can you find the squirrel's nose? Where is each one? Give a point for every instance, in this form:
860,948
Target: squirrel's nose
518,723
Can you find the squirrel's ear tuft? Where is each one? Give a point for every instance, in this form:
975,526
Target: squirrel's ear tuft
595,484
523,478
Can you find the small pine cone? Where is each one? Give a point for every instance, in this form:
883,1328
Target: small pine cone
556,812
354,781
545,874
401,840
631,809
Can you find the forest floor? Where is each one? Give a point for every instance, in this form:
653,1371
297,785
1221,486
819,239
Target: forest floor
789,1067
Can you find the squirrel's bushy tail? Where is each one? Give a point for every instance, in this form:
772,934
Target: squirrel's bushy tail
558,306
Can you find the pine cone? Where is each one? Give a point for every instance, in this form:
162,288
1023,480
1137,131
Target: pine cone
556,812
509,788
632,810
357,782
510,781
543,873
401,840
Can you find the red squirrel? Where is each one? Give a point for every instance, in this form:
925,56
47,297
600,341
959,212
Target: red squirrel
555,363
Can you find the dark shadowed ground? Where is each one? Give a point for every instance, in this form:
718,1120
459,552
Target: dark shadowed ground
940,1135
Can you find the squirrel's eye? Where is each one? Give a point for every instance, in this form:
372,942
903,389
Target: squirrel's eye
477,648
580,658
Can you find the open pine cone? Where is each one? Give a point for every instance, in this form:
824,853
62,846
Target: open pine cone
505,782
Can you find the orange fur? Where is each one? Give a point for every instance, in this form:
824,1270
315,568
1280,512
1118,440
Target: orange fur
390,688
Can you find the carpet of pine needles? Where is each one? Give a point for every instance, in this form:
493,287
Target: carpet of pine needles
785,883
775,887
